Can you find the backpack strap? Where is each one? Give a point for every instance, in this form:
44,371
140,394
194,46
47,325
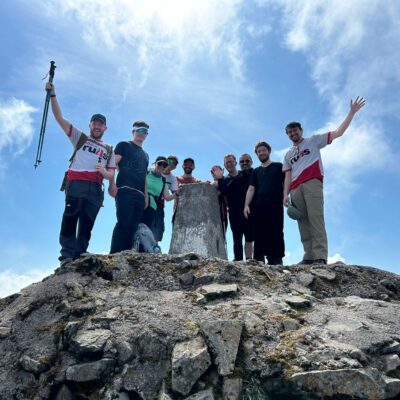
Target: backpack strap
109,153
81,141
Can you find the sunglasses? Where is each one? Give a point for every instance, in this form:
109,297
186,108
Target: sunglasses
172,162
244,161
162,164
145,131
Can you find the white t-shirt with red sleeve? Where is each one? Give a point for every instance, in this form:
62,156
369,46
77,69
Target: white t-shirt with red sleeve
304,159
83,166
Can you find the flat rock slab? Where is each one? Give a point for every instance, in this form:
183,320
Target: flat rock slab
365,384
30,365
232,388
190,359
324,274
297,301
223,337
216,290
305,279
203,395
92,371
90,341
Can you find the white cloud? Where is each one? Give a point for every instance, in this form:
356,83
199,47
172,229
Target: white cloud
16,125
350,49
335,258
11,282
155,33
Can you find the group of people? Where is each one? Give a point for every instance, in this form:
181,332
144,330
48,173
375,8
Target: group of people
252,200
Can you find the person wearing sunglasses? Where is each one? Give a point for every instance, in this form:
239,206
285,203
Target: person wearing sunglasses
130,190
158,191
235,188
265,194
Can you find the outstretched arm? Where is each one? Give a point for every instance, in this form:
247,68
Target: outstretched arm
354,107
55,107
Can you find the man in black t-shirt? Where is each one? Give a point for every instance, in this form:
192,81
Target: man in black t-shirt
130,191
265,194
234,188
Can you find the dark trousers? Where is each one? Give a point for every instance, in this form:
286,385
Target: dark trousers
240,226
130,205
268,232
149,219
83,200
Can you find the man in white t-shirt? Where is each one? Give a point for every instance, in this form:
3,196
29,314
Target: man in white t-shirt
93,162
303,180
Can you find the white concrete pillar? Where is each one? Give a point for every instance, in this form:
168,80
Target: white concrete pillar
197,227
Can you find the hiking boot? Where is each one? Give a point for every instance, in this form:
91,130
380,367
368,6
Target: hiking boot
319,261
65,262
305,262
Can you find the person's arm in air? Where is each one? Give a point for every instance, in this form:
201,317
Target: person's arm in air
354,108
55,107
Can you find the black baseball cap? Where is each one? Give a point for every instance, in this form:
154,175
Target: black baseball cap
100,117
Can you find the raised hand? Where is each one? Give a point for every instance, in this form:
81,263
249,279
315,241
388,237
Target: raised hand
357,105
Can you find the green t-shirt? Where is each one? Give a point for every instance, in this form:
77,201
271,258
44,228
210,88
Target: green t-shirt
154,187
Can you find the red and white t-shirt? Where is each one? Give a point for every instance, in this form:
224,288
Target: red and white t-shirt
83,166
304,159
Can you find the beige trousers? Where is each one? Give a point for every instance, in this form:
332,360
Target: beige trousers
309,199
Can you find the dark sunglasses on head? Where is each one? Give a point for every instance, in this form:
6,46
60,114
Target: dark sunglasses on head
244,161
162,164
142,130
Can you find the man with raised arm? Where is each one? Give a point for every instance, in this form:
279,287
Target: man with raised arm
130,191
303,181
84,195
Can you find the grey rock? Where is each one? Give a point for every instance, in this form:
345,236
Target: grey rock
190,359
125,351
5,331
359,355
91,371
324,274
64,393
187,278
297,301
223,339
216,290
389,284
392,348
392,387
290,324
252,323
232,388
90,341
305,278
203,395
31,365
357,383
108,316
146,378
391,362
123,396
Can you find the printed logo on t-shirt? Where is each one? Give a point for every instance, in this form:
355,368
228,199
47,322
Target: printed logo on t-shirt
299,155
95,150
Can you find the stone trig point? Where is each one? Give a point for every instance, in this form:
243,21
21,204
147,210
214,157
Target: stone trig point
197,227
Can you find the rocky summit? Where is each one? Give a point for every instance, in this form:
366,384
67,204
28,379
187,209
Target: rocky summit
163,327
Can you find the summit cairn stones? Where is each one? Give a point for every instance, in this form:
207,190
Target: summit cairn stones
197,226
190,359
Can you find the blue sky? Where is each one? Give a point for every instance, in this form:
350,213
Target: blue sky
211,77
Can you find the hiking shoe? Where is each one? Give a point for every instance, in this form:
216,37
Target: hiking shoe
65,262
305,262
319,261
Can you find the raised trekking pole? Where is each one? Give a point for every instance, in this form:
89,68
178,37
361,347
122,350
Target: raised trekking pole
44,117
